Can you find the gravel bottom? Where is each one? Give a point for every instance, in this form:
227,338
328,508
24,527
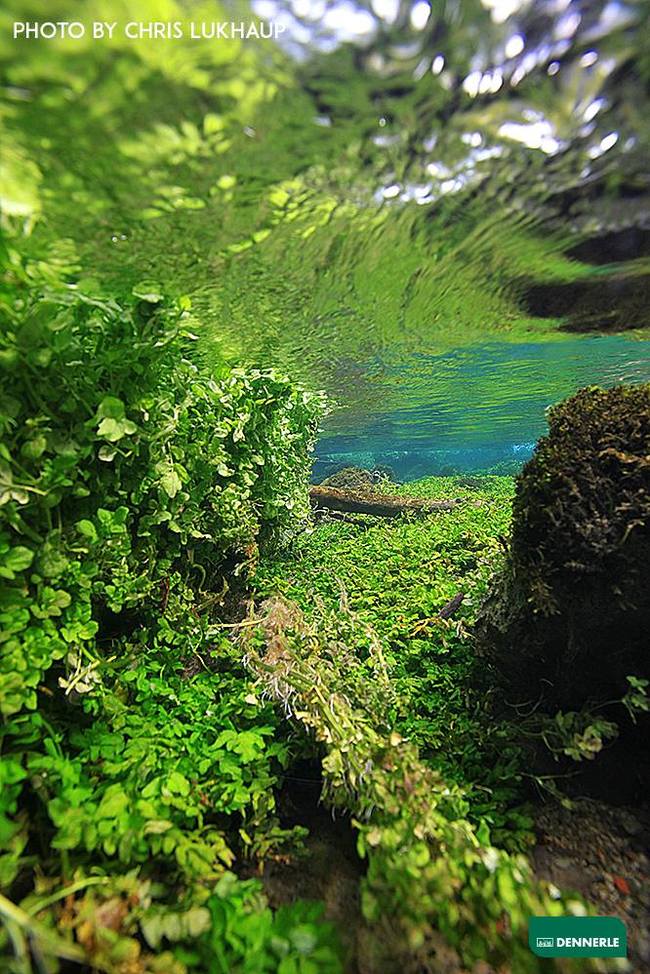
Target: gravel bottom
603,853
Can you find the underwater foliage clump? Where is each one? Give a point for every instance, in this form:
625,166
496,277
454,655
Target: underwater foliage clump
428,869
134,490
140,763
396,577
149,730
119,458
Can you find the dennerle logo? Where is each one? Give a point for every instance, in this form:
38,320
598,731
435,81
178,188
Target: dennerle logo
577,937
579,942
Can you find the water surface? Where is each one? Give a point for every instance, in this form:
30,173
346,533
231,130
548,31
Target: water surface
439,215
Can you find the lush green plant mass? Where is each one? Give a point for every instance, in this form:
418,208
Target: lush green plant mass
134,491
175,630
369,646
396,577
140,762
142,748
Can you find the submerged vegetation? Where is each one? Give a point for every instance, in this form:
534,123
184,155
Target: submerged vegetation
183,640
134,491
145,736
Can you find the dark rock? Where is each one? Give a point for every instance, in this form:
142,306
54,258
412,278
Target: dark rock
612,302
567,621
630,824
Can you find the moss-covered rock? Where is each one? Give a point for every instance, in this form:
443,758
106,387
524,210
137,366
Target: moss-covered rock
358,478
569,618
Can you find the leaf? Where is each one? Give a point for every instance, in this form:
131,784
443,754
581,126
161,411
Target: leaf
178,784
303,938
197,921
171,482
54,600
111,408
87,529
34,448
248,744
212,123
157,826
148,291
19,558
114,803
115,429
373,837
152,928
111,429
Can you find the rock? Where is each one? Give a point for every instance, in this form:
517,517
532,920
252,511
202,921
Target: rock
630,824
643,948
355,478
567,621
563,863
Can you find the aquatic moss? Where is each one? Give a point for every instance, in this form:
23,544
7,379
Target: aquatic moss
567,621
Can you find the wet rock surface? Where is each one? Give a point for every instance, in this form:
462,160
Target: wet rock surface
358,478
565,625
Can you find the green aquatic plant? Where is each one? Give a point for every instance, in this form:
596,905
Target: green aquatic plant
122,927
151,482
134,493
117,456
428,868
398,577
137,495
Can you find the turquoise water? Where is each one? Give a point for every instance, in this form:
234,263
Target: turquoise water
478,409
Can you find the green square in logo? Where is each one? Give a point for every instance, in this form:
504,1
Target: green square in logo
577,937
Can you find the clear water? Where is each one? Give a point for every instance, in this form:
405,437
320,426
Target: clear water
443,220
478,409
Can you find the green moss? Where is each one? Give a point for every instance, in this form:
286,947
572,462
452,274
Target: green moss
567,620
357,478
582,503
570,615
396,577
